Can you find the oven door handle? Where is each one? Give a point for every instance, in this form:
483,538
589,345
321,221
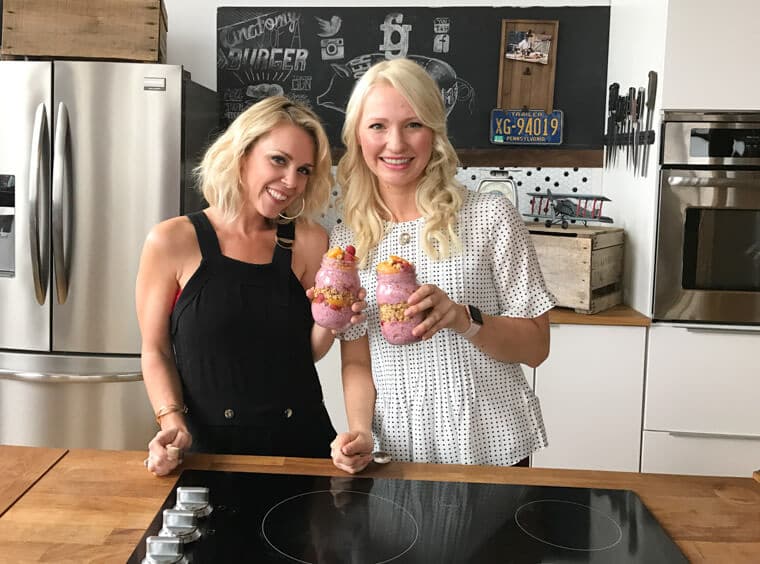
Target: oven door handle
746,329
698,435
701,181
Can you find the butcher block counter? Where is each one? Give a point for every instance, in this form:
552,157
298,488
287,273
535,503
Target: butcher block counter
20,468
94,506
616,315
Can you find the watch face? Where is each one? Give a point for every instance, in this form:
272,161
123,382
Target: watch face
475,314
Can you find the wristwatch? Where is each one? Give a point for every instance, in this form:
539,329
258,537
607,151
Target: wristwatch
476,321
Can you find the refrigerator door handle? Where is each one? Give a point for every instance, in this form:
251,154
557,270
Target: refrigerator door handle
39,162
55,377
61,187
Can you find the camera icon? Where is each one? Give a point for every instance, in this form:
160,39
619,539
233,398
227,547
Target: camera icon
332,48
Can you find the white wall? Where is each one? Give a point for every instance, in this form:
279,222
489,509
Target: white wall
672,37
711,55
637,45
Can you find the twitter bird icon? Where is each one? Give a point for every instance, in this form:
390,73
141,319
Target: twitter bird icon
330,27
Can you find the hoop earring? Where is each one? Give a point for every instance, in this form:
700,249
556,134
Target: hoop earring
291,218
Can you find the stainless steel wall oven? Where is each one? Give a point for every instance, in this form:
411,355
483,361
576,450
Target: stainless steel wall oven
707,259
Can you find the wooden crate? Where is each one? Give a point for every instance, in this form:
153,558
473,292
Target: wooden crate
582,266
128,30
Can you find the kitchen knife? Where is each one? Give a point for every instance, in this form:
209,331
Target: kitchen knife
637,129
641,105
611,123
651,94
631,119
623,118
621,126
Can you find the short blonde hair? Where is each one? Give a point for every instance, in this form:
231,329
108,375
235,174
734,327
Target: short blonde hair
219,172
439,195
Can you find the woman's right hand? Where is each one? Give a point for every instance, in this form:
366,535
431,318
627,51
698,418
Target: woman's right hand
163,456
358,308
352,451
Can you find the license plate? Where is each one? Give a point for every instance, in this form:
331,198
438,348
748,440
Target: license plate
526,127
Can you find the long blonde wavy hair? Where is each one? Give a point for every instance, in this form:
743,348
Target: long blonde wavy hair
219,174
439,195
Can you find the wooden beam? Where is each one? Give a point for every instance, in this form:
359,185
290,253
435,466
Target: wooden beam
514,157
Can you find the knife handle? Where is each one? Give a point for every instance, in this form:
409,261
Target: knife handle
632,102
622,111
640,101
614,93
651,90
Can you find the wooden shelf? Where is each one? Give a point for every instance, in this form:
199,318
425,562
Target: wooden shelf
522,157
545,156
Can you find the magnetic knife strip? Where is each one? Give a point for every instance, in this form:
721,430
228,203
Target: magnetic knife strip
629,130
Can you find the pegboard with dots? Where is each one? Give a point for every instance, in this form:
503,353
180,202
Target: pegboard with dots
528,181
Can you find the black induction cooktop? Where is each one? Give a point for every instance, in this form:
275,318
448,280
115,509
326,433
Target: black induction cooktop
282,518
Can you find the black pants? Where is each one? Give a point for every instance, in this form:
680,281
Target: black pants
304,434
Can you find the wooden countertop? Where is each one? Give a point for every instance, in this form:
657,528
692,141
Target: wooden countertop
617,315
95,505
20,468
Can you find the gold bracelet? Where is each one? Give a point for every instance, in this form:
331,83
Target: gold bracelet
171,408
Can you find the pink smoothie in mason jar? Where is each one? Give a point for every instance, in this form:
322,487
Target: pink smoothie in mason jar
336,288
396,281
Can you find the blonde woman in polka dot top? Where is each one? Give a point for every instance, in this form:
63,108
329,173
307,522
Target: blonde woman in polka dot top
459,395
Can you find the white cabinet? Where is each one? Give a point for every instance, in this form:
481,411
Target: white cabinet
702,403
705,55
591,389
329,370
706,455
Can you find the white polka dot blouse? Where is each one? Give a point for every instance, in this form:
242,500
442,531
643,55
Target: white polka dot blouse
443,400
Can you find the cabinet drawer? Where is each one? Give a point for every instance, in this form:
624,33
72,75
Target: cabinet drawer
590,389
702,381
668,453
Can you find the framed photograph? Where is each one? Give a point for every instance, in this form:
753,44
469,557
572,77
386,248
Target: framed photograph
527,64
528,46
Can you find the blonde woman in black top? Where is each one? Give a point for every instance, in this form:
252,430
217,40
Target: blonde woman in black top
228,342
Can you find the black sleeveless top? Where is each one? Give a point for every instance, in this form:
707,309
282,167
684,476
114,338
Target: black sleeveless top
242,343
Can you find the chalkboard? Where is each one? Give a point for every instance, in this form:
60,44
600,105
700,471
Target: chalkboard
315,55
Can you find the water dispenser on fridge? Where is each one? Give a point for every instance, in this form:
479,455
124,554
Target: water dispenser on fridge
7,215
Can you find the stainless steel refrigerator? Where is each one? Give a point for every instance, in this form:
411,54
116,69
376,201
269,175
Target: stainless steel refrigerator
92,155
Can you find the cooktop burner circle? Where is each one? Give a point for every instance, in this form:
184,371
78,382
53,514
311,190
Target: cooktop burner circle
568,525
339,526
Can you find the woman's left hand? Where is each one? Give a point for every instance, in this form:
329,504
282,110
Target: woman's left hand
440,311
165,450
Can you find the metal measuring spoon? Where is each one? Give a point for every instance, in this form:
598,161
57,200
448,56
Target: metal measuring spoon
381,457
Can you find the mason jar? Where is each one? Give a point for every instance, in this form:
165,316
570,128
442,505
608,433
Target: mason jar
336,288
393,289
